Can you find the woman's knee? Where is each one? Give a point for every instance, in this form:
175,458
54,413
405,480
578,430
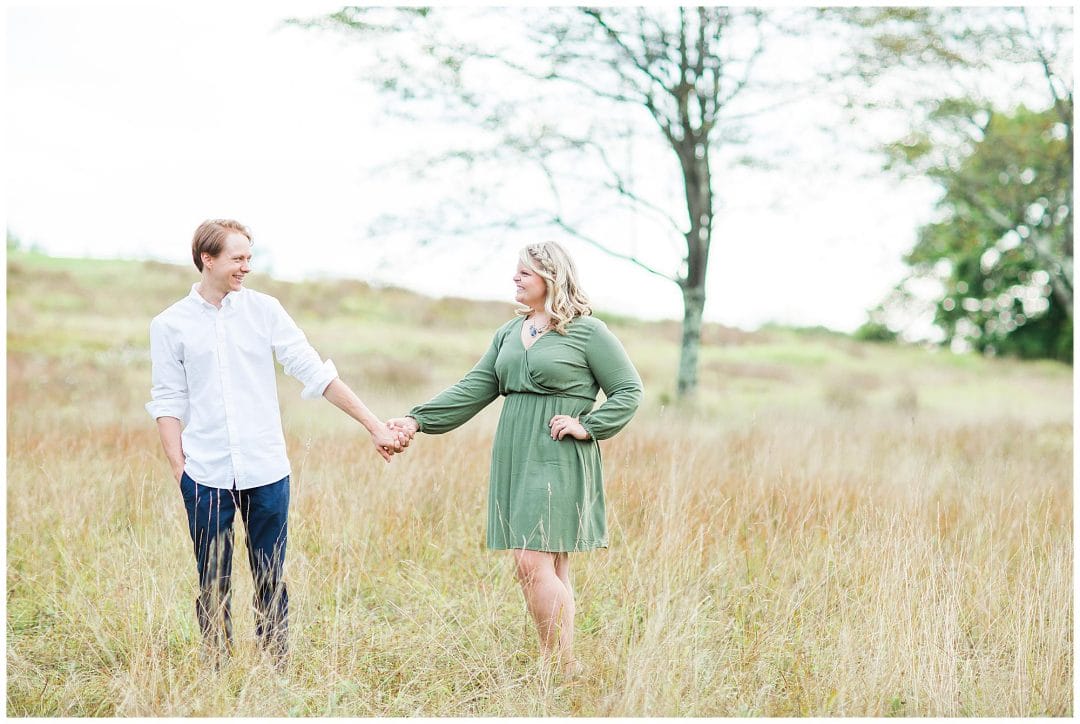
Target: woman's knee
529,565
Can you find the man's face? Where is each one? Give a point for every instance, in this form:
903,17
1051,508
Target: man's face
227,270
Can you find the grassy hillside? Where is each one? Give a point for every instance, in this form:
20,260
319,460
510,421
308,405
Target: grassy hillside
832,528
392,342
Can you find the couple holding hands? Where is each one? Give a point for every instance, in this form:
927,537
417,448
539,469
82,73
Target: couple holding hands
214,397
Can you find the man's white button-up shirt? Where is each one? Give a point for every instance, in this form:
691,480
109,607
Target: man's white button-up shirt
213,369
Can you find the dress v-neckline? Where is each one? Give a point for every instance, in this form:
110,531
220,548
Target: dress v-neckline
527,347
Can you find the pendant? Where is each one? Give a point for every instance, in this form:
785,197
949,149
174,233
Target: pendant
532,331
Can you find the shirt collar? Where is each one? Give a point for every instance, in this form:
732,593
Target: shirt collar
227,301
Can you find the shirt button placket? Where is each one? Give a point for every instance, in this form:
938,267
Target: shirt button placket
227,395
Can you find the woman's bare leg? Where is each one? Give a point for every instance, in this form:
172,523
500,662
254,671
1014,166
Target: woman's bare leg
550,601
562,570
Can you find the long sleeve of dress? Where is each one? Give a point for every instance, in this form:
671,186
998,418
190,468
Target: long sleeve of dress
618,379
456,405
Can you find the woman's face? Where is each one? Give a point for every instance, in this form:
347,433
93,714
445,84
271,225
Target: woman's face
531,287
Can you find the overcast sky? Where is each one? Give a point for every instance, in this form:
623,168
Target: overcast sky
127,126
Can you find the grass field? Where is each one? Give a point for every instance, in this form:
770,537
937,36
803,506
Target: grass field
833,528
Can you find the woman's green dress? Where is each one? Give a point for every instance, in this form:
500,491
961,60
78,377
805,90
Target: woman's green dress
545,495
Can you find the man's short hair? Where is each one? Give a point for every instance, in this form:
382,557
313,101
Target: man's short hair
210,238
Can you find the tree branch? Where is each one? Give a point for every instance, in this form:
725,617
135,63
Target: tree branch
1064,113
742,82
569,229
620,43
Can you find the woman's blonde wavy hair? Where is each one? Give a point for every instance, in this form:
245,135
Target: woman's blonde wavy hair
565,298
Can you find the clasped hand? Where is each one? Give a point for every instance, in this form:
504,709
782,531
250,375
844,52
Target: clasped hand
406,426
402,430
388,441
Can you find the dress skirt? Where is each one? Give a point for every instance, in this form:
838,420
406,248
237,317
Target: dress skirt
544,494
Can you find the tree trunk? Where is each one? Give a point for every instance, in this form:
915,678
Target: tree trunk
694,158
694,306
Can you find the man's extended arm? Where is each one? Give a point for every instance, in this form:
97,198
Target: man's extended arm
301,361
339,394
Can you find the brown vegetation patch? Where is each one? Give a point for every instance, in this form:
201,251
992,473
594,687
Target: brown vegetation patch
750,370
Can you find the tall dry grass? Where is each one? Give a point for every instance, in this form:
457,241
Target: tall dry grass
843,564
835,529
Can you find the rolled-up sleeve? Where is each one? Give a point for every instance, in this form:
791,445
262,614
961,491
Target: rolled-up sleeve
298,357
169,389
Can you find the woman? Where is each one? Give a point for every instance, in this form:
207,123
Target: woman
546,495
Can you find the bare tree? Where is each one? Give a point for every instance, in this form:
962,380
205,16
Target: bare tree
562,90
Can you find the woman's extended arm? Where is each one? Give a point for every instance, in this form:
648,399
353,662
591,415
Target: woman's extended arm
455,405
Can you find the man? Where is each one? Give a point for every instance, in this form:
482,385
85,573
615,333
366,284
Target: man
214,397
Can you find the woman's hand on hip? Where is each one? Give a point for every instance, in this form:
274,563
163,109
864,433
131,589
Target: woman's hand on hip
563,425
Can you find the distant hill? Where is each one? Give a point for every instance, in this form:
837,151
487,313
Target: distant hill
391,339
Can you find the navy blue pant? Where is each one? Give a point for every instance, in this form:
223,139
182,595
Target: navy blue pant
264,510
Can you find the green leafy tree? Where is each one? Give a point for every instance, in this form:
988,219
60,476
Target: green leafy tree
1002,246
1002,249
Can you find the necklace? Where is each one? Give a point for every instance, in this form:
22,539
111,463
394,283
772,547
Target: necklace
534,330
